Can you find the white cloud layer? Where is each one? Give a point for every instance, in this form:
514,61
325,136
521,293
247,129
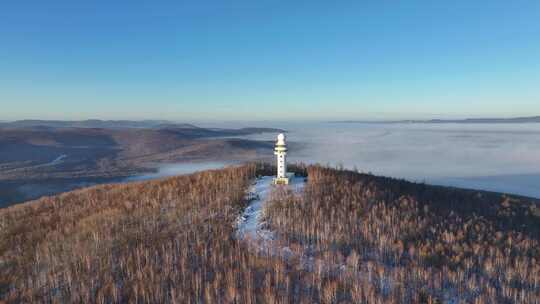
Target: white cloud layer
497,157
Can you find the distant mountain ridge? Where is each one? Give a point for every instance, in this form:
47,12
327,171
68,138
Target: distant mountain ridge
102,150
64,154
95,123
529,119
535,119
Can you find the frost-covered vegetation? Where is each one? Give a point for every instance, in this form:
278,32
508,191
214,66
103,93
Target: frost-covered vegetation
159,241
379,240
354,238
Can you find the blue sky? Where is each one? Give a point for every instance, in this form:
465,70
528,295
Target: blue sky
249,60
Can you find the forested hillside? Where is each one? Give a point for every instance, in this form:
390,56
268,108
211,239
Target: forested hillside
159,241
379,240
352,238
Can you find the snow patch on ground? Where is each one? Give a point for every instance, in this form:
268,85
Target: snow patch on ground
250,224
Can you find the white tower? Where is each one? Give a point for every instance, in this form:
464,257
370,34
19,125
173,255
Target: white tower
281,153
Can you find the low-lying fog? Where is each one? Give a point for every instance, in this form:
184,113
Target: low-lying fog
496,157
167,170
13,192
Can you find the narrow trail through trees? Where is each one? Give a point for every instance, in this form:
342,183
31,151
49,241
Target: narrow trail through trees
251,226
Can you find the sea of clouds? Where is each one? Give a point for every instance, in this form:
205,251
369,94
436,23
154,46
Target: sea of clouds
496,157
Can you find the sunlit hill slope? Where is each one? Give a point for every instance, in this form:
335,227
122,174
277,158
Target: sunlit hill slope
173,241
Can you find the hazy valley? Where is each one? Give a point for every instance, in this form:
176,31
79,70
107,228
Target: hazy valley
42,158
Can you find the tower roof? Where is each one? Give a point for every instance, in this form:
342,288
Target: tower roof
281,139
